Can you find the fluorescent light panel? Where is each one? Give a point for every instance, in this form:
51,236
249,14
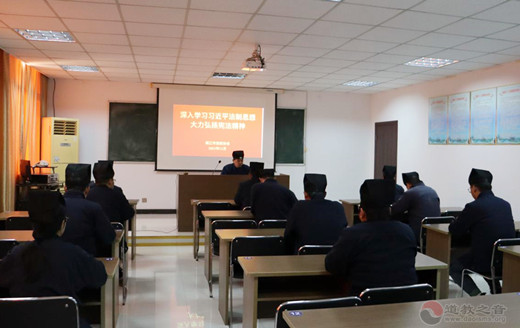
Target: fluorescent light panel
358,83
41,35
236,76
431,62
72,68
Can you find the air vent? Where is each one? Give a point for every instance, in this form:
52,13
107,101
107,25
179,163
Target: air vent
65,128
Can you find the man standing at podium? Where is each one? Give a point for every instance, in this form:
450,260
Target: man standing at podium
237,167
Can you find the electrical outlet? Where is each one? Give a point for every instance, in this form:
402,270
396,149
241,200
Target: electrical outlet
144,200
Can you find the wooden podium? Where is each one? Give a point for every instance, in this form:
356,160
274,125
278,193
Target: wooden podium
203,186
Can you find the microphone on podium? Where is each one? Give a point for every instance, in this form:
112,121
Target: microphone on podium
219,161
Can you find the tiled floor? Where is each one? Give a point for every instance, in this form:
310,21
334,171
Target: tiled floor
167,287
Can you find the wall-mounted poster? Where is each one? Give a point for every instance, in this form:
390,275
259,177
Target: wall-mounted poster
458,118
483,114
438,121
508,114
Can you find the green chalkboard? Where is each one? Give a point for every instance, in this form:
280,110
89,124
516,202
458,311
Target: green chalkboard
132,132
289,126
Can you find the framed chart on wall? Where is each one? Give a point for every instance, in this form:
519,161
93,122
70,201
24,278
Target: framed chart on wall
458,119
483,116
438,121
508,114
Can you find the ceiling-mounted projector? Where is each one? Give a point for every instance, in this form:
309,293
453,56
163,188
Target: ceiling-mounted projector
255,62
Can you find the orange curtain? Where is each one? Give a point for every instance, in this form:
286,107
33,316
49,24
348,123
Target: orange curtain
23,95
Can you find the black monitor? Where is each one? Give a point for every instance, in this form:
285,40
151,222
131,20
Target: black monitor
25,170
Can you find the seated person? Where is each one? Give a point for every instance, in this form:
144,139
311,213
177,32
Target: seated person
418,202
389,172
49,266
110,197
87,226
269,199
315,220
243,195
487,219
237,167
377,252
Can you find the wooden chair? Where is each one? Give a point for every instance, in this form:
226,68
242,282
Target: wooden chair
314,249
431,220
6,245
313,304
250,246
215,240
200,227
18,223
272,224
401,294
495,269
56,312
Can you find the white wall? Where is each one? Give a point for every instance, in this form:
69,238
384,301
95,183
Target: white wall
446,167
337,138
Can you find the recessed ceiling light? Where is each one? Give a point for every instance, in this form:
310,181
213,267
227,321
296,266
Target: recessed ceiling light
357,83
431,62
236,76
72,68
41,35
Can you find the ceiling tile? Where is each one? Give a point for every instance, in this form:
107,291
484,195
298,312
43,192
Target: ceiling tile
94,26
60,46
217,19
107,48
111,57
307,74
79,62
66,54
296,8
195,68
279,24
342,30
157,3
108,63
349,13
387,74
409,49
456,54
25,7
467,65
15,43
354,71
441,40
32,23
240,6
443,71
154,66
189,80
19,52
290,59
85,10
318,69
198,61
407,69
96,38
196,53
460,8
88,75
288,79
162,30
337,63
156,79
348,55
285,67
156,42
368,46
206,44
494,59
474,27
276,38
372,65
207,33
399,4
147,71
512,51
317,42
152,14
512,34
487,45
388,34
304,52
155,59
420,21
506,12
172,52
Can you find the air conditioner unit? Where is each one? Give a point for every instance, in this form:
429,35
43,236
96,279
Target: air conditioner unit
60,143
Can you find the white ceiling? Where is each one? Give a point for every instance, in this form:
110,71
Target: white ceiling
308,44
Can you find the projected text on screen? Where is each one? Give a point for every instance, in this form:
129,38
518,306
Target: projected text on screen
215,131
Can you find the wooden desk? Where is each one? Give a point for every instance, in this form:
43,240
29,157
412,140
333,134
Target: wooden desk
511,269
226,236
209,216
10,214
196,238
256,268
133,203
109,294
438,246
18,235
349,206
404,315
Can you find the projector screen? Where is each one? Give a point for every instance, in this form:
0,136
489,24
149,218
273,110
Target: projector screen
198,126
